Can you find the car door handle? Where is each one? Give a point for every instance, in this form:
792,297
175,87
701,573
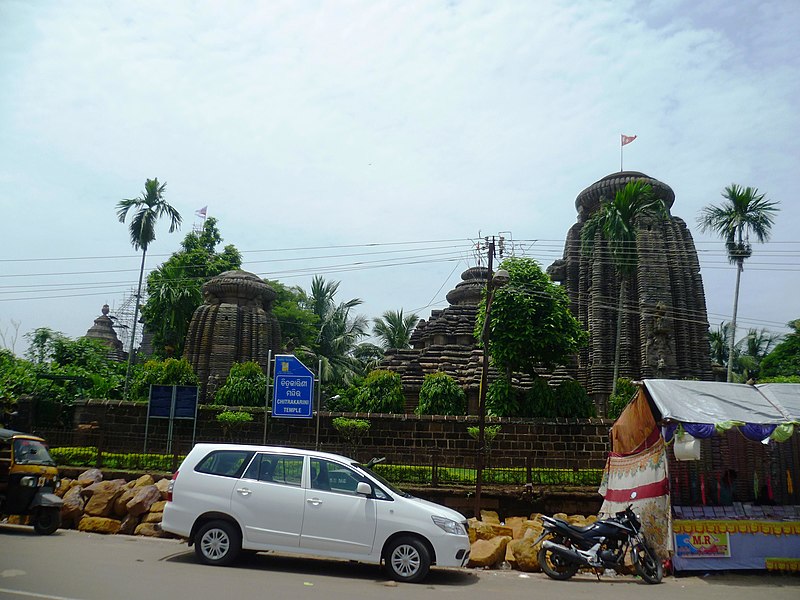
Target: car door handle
314,501
244,491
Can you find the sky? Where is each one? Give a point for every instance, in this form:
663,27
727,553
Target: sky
374,143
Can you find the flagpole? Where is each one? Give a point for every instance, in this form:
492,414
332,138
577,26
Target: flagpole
621,146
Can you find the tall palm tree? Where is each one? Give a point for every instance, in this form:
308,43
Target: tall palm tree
394,329
615,223
743,212
339,331
147,210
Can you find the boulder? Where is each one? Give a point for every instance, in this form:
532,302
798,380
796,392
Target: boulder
63,487
143,481
99,525
478,530
150,529
101,497
143,499
488,553
515,524
72,509
158,506
152,517
89,477
525,554
128,525
121,503
490,516
163,487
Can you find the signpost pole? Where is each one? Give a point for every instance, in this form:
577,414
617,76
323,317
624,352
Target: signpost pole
266,396
319,402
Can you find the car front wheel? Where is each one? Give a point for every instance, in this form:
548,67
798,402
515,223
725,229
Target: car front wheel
407,559
218,543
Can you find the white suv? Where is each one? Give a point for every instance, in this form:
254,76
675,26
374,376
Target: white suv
225,498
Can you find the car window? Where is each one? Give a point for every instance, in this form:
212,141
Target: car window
228,463
276,468
334,477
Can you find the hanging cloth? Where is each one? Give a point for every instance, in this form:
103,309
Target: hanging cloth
789,485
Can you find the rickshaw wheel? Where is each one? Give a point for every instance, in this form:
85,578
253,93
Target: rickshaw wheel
47,521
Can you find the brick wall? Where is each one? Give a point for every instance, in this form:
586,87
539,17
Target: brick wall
410,439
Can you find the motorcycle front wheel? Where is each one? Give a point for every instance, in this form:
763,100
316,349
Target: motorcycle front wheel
647,564
555,566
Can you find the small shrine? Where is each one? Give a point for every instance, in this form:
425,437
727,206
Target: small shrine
103,331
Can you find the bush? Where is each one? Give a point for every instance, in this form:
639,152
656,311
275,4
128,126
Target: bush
162,372
381,392
233,420
440,394
572,400
626,391
541,400
352,430
503,400
246,385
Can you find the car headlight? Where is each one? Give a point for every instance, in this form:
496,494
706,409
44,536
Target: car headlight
448,525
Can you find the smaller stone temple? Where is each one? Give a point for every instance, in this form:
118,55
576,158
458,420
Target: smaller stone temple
235,324
103,331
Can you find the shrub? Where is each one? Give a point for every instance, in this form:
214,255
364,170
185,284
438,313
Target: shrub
571,400
246,385
352,430
489,433
440,394
162,372
381,392
233,420
541,400
626,391
503,400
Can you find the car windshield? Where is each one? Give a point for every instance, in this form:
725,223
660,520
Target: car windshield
381,480
31,452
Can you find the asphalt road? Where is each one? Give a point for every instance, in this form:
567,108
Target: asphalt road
70,565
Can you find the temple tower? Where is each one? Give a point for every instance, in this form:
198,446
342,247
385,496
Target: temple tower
235,324
103,331
665,324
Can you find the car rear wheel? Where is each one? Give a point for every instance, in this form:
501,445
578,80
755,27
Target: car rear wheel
407,559
218,543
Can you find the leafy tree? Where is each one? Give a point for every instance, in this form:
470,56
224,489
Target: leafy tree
784,360
743,212
17,377
246,385
298,324
504,400
394,329
572,401
440,394
626,391
718,339
381,392
170,371
338,332
147,210
615,222
174,290
748,352
531,323
541,400
40,348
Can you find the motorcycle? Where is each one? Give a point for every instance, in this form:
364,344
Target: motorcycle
599,546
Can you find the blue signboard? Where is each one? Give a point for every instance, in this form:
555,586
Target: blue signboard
293,389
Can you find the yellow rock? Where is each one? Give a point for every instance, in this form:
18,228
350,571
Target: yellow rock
152,517
525,554
487,553
478,530
490,516
149,529
158,506
99,525
144,480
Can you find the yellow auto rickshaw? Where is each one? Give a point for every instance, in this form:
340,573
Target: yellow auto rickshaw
28,480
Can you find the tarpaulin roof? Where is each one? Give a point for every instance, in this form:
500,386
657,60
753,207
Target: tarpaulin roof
713,402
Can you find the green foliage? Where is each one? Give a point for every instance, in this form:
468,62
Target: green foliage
40,340
174,290
352,430
347,399
531,323
233,421
784,360
490,432
88,457
393,329
440,394
298,324
246,385
572,401
781,379
170,371
381,392
626,391
504,400
17,377
541,400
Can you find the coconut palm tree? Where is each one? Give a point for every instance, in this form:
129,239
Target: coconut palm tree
394,329
615,223
743,212
147,209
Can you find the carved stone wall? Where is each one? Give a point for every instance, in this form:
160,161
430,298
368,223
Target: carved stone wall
665,324
235,324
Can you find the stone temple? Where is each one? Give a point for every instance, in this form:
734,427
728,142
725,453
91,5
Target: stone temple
665,324
103,331
235,324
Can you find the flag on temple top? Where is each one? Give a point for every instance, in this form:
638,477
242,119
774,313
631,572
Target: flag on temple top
201,212
627,139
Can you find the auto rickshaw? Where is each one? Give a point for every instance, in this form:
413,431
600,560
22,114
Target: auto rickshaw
28,479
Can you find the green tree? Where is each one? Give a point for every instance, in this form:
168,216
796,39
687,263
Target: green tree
743,212
440,394
338,332
298,324
147,209
784,360
573,402
170,371
381,392
531,323
719,340
174,290
246,385
615,222
40,340
394,329
626,391
751,351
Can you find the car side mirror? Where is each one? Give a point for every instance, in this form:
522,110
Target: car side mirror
364,488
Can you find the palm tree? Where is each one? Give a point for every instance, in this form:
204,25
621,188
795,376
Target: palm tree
394,329
615,222
147,210
720,346
339,331
744,211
